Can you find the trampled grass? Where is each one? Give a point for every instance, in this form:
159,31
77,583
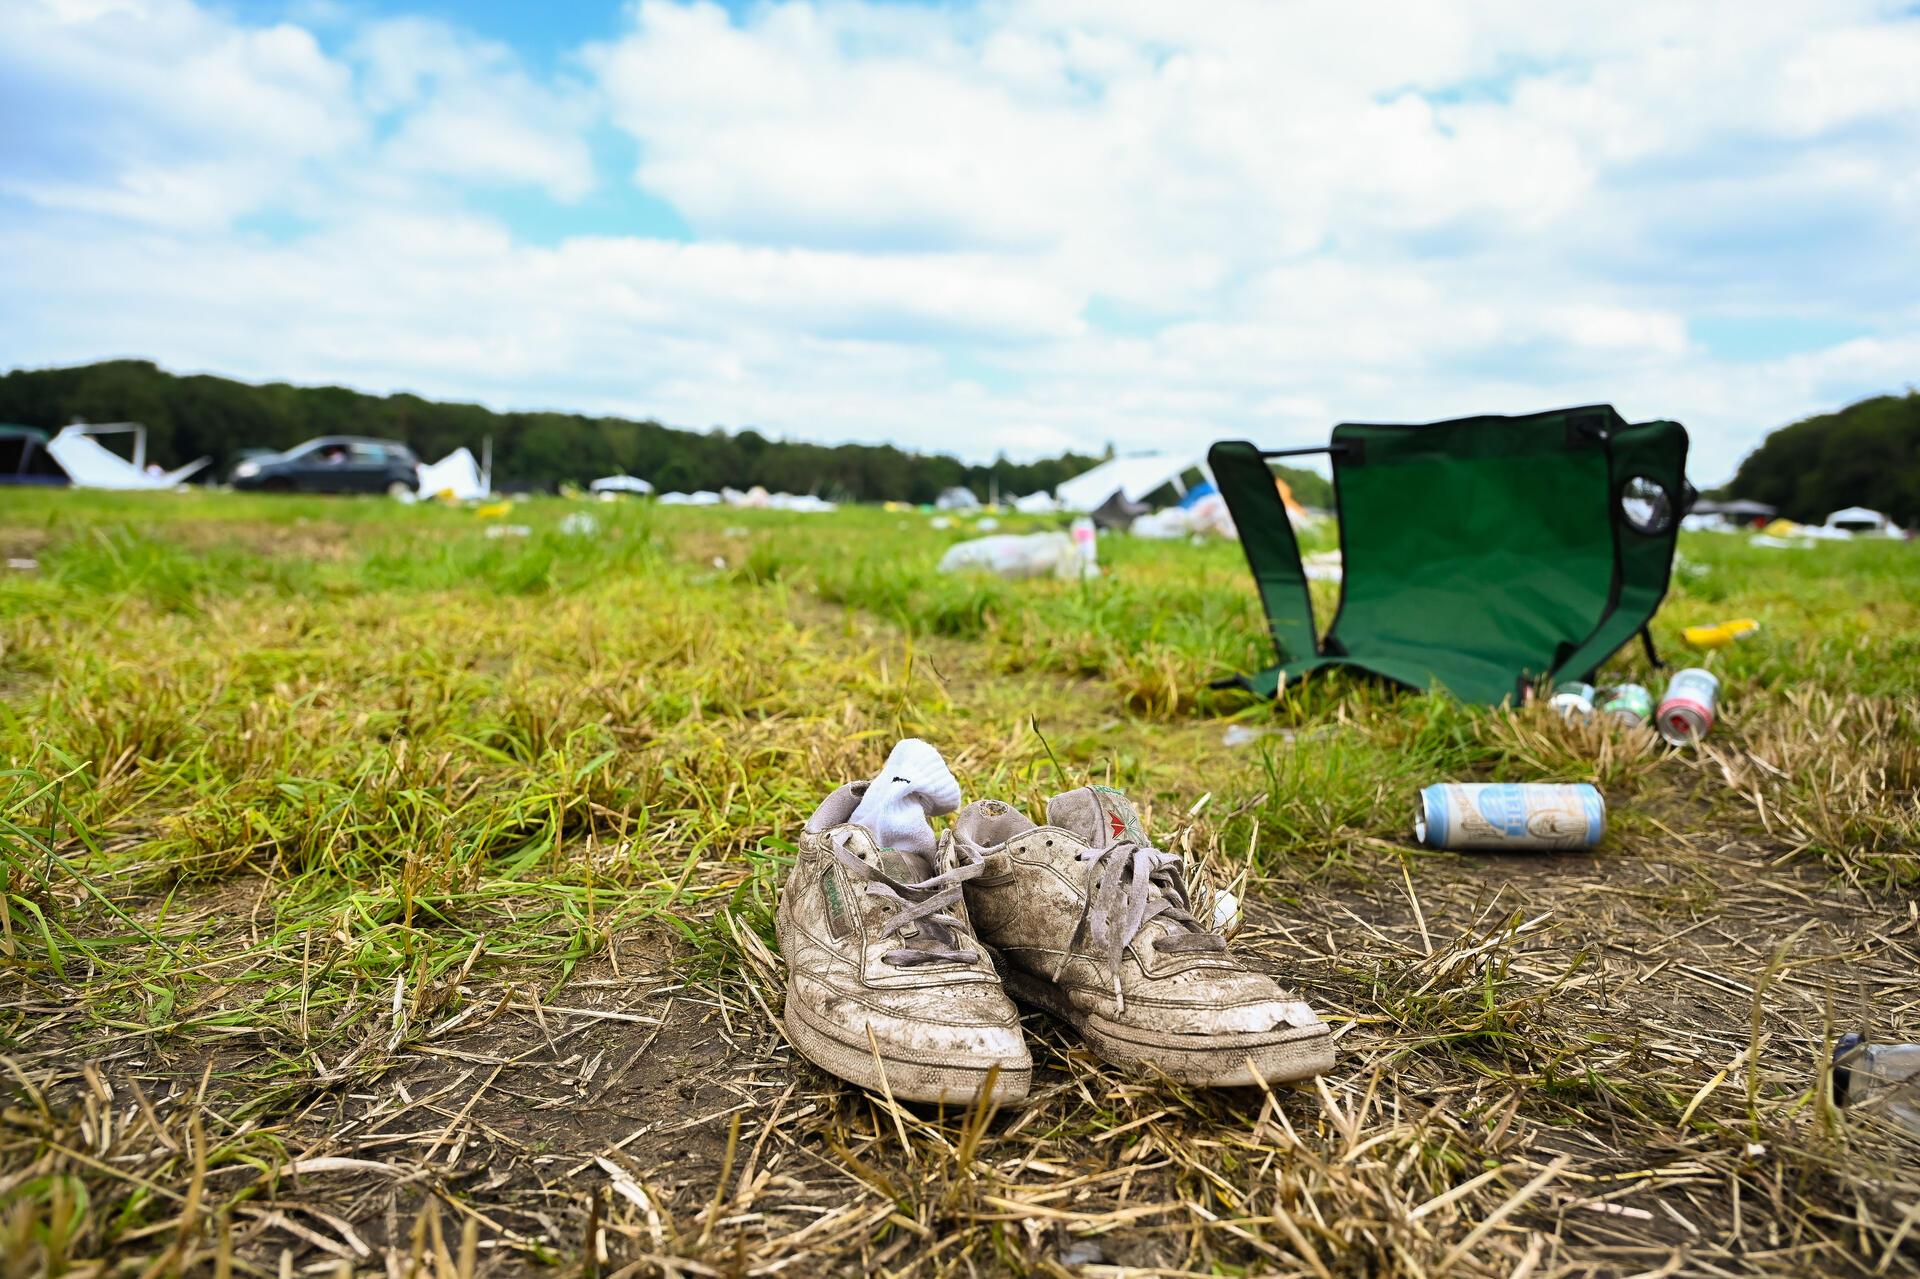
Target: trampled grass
388,892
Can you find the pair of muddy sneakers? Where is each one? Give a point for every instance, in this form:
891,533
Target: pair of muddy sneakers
901,959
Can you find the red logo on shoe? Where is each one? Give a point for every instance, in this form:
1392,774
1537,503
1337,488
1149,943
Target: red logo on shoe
1119,827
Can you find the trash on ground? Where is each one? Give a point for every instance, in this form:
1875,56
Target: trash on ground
1628,703
24,565
704,497
1720,634
1574,699
1241,734
508,530
1772,543
1883,1077
939,522
1499,816
1015,556
987,525
1686,712
1323,566
492,510
580,524
1226,914
1086,538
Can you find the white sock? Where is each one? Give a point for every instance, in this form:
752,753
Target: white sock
913,787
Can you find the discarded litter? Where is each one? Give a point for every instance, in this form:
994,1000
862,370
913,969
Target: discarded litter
1628,703
1510,815
24,565
492,510
1323,566
1087,539
988,524
1885,1077
1686,712
1016,556
508,530
1574,699
1720,634
580,524
1241,734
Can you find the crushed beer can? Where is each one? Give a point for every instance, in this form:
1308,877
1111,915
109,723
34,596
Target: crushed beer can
1573,698
1628,703
1686,712
1510,815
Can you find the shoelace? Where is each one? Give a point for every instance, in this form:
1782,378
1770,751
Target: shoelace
926,903
1128,886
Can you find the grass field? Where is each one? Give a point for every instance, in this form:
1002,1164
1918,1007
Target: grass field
386,894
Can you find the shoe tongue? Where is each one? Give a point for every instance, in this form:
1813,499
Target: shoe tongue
1100,815
905,867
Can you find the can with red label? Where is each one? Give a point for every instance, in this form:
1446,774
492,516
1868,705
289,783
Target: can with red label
1686,712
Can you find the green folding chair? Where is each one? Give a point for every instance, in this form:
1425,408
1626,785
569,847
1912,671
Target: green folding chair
1482,556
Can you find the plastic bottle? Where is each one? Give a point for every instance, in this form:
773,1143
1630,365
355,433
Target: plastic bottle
1885,1077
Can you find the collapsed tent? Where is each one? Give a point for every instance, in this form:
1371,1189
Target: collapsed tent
457,477
1133,478
24,458
702,497
90,464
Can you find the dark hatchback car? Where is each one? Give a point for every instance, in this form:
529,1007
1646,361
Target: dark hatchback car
333,464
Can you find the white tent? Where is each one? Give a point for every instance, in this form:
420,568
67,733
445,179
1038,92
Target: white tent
957,499
1040,503
456,476
703,497
1859,519
1135,477
620,484
91,465
799,502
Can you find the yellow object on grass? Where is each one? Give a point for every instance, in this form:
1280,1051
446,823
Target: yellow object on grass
493,510
1721,635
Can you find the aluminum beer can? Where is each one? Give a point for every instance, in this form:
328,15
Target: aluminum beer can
1510,815
1573,698
1686,712
1628,703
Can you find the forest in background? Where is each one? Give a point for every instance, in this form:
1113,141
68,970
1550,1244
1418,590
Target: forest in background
1867,454
202,415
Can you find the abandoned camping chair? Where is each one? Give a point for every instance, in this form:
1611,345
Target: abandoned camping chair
1481,556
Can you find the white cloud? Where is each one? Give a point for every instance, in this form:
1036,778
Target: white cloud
1024,225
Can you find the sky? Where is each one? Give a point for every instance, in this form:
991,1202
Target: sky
1013,226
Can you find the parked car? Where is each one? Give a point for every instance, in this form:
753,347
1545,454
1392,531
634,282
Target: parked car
333,464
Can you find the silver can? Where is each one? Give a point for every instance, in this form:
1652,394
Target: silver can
1628,703
1686,712
1573,699
1510,815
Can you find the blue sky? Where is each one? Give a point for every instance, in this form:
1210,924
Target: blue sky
1016,226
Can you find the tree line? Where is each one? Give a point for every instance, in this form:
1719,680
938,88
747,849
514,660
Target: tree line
203,415
1867,454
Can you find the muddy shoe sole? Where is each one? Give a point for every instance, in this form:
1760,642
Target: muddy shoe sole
1217,1061
908,1080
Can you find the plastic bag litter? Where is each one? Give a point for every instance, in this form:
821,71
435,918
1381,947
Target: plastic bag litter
1015,556
580,524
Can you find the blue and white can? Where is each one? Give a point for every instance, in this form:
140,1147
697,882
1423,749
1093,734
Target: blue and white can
1510,815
